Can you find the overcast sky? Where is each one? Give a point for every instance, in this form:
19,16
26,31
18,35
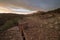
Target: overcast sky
30,4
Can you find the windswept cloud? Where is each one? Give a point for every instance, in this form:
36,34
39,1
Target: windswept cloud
15,10
4,10
33,4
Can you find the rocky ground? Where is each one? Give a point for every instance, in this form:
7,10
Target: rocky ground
37,26
11,34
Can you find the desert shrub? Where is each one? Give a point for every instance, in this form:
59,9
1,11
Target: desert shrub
9,24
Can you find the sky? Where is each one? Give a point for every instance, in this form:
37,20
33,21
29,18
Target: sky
27,6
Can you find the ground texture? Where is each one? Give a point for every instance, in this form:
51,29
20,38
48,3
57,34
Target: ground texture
38,26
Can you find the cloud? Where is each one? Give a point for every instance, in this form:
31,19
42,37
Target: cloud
20,11
4,10
33,4
18,3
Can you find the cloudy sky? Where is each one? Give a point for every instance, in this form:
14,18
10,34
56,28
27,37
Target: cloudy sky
28,5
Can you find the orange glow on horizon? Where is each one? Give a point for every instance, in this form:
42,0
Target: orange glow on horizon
4,10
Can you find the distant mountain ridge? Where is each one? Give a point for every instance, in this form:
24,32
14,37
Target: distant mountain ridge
56,10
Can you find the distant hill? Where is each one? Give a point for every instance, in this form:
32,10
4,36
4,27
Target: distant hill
55,11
